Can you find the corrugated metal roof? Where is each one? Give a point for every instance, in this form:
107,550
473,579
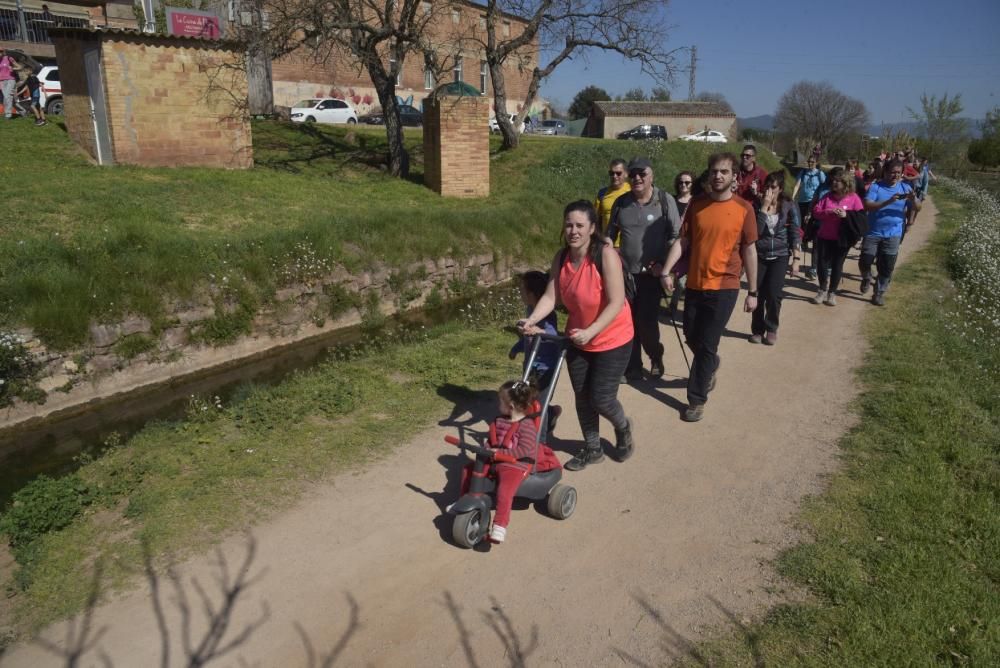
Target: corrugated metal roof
699,109
152,36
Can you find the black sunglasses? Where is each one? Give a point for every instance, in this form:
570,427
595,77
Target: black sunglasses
748,155
614,173
685,183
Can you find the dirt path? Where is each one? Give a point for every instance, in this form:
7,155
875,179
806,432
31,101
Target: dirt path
672,545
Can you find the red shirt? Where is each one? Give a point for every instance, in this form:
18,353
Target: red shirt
746,180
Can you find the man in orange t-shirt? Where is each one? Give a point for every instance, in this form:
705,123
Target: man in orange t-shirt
718,232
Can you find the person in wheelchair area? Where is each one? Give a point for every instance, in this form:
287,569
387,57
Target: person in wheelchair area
515,431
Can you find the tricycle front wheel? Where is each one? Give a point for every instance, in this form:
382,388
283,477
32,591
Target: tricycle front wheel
468,529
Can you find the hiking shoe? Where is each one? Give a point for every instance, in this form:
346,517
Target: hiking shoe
811,274
554,413
656,368
694,413
631,377
819,297
498,534
584,458
711,381
756,338
831,299
770,338
624,445
878,299
866,284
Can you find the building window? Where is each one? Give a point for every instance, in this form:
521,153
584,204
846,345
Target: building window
484,76
506,28
458,68
428,79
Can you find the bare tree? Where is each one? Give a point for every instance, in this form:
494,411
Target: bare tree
636,29
718,98
819,112
378,35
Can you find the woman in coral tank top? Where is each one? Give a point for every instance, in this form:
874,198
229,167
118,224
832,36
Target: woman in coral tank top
587,279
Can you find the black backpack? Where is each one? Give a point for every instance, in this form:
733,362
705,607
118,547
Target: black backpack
629,278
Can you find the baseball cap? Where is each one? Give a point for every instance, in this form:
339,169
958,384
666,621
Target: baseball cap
639,163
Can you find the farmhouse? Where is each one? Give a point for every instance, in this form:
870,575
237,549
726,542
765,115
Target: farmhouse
607,119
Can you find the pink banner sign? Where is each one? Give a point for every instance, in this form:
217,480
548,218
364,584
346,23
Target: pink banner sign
190,23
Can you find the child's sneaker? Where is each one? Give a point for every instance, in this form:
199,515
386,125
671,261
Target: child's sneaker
498,534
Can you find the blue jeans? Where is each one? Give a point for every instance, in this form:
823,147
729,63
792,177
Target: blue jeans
883,251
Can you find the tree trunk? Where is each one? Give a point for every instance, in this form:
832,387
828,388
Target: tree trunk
260,89
507,129
385,88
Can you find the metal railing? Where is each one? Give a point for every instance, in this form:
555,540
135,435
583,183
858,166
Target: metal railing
34,28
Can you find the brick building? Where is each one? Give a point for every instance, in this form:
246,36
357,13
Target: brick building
156,100
31,35
298,76
607,119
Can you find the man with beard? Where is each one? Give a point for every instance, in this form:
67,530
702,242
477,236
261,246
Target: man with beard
718,232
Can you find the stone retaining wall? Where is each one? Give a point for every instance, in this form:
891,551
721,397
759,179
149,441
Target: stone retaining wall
109,364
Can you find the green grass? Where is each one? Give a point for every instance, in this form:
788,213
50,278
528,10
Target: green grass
989,181
176,487
88,244
904,563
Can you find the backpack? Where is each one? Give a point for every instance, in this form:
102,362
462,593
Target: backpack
599,263
664,207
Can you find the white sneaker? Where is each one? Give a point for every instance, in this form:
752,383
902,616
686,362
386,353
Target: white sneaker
831,299
820,296
498,534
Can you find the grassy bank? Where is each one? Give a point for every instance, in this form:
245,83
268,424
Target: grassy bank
176,487
904,565
93,244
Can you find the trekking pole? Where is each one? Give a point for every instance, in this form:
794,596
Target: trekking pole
673,322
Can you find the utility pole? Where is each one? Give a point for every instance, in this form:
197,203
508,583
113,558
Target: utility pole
691,71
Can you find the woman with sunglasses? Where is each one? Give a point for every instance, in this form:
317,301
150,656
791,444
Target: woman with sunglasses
778,240
683,190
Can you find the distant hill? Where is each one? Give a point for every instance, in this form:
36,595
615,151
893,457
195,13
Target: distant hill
766,122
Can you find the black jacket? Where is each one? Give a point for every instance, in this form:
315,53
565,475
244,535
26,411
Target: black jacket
785,237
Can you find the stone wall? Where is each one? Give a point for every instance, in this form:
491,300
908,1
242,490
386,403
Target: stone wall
76,100
457,147
104,366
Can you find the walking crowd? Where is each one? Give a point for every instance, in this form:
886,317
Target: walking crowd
637,244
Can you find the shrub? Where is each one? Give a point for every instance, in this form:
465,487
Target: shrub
42,506
17,368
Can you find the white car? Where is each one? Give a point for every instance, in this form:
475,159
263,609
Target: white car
495,126
50,95
711,136
324,110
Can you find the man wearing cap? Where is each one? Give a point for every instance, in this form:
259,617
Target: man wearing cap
8,82
644,222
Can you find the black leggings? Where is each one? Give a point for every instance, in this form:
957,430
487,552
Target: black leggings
830,256
770,290
595,378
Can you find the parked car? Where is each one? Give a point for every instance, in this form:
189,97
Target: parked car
710,136
50,95
644,132
323,110
551,127
495,126
408,115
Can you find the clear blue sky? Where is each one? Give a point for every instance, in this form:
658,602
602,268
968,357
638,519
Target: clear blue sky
882,52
